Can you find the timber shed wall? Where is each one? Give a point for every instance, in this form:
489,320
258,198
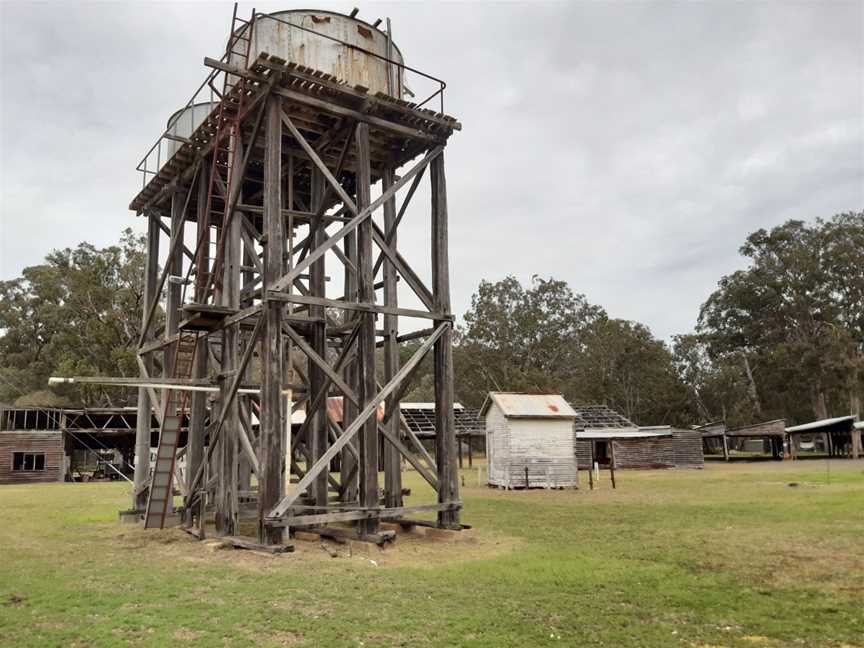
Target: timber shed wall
49,443
583,453
688,450
497,446
681,450
647,452
543,446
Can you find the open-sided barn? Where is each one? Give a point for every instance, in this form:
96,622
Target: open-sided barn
767,438
39,444
840,434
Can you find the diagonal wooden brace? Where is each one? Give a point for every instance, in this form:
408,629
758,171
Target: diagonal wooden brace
288,278
370,409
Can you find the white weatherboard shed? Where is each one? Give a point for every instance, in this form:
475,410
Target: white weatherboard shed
530,440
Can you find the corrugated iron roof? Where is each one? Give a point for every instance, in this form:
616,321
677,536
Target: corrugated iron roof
777,427
816,425
515,405
425,406
421,420
614,433
715,428
600,417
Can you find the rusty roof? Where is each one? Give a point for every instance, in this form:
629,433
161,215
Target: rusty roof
518,405
334,409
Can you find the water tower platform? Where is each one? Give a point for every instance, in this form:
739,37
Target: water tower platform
323,108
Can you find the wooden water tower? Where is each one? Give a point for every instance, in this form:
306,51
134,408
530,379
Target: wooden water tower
260,186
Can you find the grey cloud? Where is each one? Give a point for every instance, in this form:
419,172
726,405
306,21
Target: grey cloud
627,148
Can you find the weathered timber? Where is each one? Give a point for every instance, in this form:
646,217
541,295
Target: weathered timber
445,447
392,460
142,432
371,514
270,487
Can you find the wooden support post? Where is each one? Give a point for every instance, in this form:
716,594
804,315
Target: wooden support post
591,466
856,440
198,409
448,478
270,485
612,461
287,405
318,427
227,484
250,262
142,428
392,457
366,336
349,468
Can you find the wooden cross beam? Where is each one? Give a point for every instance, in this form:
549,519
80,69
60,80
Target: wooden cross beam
355,306
370,410
176,241
402,267
231,395
390,234
334,377
351,225
334,183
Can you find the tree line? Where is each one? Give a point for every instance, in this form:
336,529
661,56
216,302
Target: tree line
781,338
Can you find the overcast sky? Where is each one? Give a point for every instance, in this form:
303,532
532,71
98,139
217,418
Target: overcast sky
627,148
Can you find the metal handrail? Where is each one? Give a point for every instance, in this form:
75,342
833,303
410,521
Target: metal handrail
211,77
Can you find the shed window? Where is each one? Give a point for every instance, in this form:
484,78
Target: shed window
28,461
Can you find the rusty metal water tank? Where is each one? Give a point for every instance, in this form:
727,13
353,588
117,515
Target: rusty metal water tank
182,124
329,42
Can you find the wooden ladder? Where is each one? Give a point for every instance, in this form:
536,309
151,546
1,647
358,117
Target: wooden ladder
161,492
225,145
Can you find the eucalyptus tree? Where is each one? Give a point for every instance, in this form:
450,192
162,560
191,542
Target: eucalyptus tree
78,312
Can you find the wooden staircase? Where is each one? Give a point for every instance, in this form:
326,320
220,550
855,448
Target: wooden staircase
161,493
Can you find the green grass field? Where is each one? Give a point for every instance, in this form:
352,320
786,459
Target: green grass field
728,556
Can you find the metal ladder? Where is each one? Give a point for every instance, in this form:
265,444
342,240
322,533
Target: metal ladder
161,492
229,112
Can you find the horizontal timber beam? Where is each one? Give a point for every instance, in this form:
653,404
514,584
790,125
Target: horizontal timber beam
355,306
347,516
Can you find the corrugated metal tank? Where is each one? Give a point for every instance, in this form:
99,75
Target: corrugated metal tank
278,34
182,124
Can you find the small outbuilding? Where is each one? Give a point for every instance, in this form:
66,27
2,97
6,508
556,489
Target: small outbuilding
31,446
605,437
529,440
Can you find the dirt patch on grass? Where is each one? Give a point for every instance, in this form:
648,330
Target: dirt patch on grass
185,634
408,550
